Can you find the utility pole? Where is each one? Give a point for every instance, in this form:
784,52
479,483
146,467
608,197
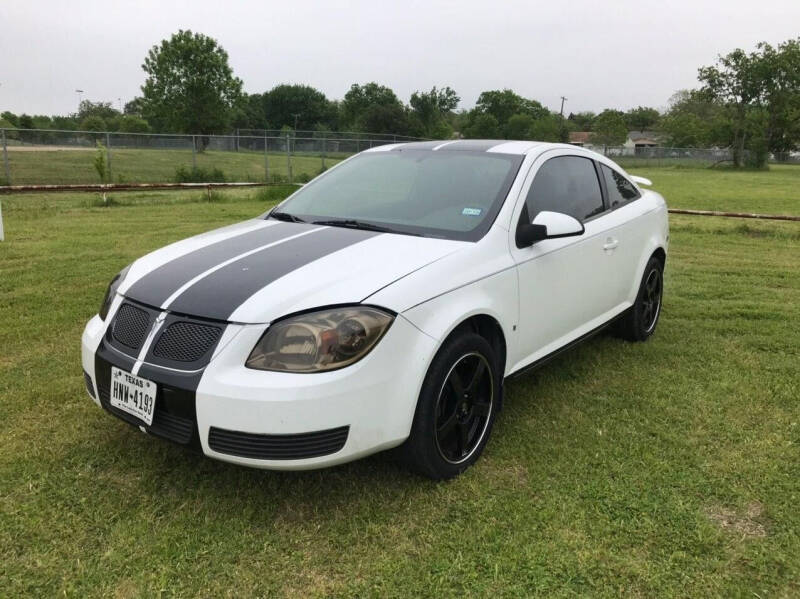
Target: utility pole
563,99
80,98
295,122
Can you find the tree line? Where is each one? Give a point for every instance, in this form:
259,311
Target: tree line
749,102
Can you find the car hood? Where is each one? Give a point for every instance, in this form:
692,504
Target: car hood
257,271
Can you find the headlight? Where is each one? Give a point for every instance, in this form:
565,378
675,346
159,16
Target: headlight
111,291
319,341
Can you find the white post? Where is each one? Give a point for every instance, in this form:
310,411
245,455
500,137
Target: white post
2,234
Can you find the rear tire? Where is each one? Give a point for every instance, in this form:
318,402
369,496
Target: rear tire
455,410
640,321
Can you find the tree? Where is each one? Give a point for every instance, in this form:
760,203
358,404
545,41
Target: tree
609,129
430,109
280,105
503,104
10,117
104,110
135,107
642,118
372,103
780,71
93,123
694,121
547,128
737,84
133,124
519,126
483,126
190,88
582,120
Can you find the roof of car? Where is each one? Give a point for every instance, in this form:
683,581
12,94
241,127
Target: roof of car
501,146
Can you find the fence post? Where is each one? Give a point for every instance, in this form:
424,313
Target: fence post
289,157
194,153
108,156
266,160
5,159
323,153
2,233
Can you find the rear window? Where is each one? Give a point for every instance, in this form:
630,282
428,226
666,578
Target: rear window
620,190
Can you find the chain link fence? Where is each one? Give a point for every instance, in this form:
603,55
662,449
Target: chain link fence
698,157
54,157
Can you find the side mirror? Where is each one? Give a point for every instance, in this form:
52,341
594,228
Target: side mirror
548,225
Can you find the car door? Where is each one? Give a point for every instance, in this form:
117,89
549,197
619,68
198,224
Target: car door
567,286
627,229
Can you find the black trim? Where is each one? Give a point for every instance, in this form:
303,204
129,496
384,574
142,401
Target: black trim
218,295
174,418
155,287
545,359
296,446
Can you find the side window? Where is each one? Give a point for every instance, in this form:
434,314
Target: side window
620,190
565,184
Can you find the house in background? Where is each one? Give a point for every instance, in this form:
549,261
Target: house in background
580,138
636,142
641,139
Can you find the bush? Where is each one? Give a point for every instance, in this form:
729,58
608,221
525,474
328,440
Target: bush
198,175
277,178
93,123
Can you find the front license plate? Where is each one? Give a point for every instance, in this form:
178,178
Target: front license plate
133,394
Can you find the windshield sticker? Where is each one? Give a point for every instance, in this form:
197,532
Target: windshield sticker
471,211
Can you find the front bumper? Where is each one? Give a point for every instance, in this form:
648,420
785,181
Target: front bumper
277,420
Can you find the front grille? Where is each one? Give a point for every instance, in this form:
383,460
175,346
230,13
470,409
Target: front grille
89,385
186,341
173,418
278,447
131,325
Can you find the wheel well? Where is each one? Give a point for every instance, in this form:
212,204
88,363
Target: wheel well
661,255
488,328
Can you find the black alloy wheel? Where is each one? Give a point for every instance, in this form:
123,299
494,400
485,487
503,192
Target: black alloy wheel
463,407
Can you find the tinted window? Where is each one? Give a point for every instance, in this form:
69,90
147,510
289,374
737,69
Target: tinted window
566,184
447,194
620,190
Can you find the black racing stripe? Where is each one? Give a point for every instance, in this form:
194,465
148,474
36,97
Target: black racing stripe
223,291
156,286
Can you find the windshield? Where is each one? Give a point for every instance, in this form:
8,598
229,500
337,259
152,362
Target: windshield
455,194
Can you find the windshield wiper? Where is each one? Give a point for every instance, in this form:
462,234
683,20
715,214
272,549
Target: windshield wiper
352,223
285,216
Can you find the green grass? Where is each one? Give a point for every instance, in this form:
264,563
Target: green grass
152,166
773,191
668,468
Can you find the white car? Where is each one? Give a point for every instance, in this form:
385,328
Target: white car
380,306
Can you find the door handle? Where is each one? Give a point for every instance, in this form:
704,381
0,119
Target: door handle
611,243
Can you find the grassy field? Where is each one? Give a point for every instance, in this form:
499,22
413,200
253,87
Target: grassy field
670,468
60,167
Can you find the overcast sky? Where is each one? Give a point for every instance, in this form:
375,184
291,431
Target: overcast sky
615,53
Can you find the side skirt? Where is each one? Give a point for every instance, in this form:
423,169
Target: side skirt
545,359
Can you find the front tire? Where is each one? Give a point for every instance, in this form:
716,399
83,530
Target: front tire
456,408
640,321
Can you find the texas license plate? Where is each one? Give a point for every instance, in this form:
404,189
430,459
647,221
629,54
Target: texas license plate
133,394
